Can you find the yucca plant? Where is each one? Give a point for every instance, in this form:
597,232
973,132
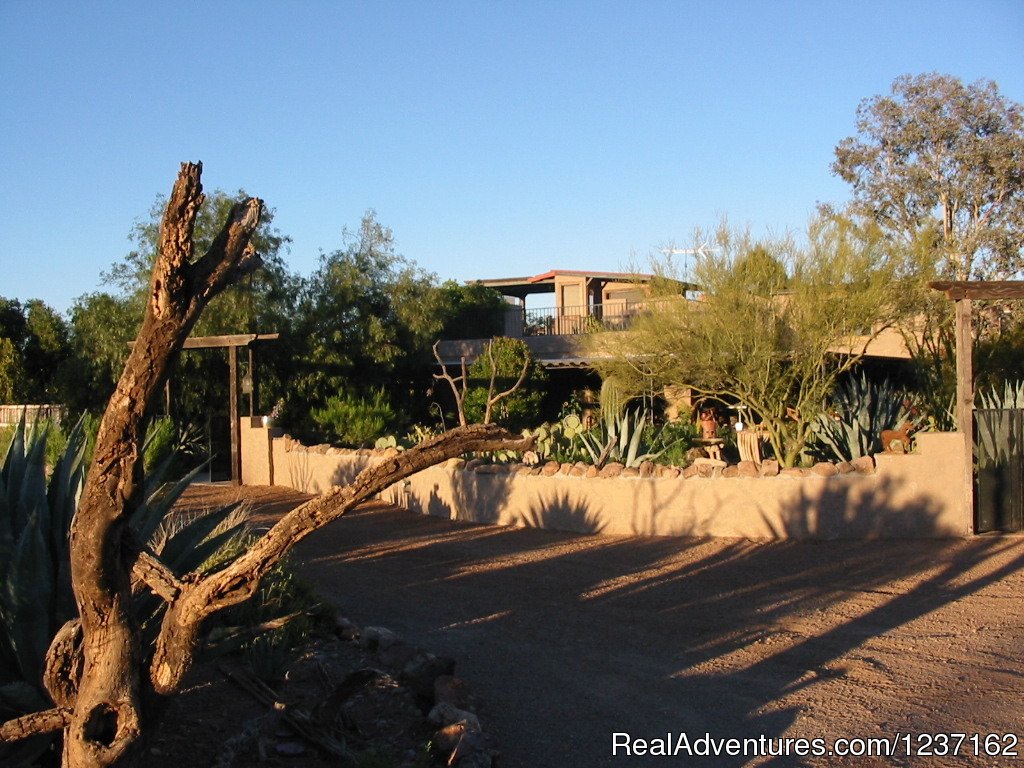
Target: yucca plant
36,598
852,423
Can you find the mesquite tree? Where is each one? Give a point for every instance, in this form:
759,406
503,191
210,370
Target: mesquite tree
107,686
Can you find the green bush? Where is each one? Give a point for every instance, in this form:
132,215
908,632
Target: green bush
354,421
519,410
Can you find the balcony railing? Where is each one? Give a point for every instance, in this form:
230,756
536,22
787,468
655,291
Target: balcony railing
569,321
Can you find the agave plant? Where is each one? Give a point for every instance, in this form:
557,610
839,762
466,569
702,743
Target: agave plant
995,421
36,598
623,438
852,425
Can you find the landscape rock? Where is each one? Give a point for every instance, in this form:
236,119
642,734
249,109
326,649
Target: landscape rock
592,471
747,469
579,469
397,654
792,472
456,463
421,674
446,714
614,469
647,469
824,469
696,453
845,467
490,469
377,637
551,468
864,465
449,689
565,468
769,468
691,471
473,464
710,463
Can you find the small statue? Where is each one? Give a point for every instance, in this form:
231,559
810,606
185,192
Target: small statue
708,424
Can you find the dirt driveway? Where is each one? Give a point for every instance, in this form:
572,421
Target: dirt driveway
569,639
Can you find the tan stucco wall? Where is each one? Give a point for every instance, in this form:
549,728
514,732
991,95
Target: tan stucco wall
918,494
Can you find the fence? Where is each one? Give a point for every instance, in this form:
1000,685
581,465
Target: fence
11,414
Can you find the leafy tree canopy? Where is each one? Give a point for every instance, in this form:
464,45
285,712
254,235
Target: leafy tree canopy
36,355
940,166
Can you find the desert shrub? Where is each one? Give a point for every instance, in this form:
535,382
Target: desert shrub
519,410
353,420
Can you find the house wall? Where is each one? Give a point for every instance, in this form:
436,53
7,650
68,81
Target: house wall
913,495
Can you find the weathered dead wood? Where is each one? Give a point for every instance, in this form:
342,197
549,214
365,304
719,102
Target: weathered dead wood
34,724
107,720
459,384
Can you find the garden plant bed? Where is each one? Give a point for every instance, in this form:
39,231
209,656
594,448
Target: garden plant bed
567,639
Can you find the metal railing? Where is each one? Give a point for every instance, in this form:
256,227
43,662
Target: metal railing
570,321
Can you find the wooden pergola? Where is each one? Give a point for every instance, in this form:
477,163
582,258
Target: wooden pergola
233,342
962,293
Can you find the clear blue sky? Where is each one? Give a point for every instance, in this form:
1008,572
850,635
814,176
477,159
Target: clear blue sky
495,139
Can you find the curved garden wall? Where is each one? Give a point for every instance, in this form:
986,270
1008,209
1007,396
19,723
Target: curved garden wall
913,495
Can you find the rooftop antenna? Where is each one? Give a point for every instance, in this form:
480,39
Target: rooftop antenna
701,251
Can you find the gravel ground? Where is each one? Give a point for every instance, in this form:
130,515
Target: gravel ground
568,639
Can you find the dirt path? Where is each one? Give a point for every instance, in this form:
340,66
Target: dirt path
569,639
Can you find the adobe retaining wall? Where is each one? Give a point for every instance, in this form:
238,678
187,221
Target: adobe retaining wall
914,495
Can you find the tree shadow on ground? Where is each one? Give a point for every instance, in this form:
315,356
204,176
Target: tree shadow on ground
573,638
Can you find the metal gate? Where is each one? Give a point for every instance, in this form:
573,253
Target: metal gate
999,452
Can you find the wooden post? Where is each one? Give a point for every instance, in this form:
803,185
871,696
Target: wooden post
965,400
236,434
253,396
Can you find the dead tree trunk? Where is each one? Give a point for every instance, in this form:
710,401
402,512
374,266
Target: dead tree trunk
105,711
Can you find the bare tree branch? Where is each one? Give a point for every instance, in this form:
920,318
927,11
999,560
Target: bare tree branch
492,399
459,384
34,724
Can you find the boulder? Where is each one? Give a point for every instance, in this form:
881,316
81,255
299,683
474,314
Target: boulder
614,469
824,469
769,468
377,637
747,469
551,468
691,471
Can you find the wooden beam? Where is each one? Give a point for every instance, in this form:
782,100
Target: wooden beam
234,340
230,340
979,289
965,401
